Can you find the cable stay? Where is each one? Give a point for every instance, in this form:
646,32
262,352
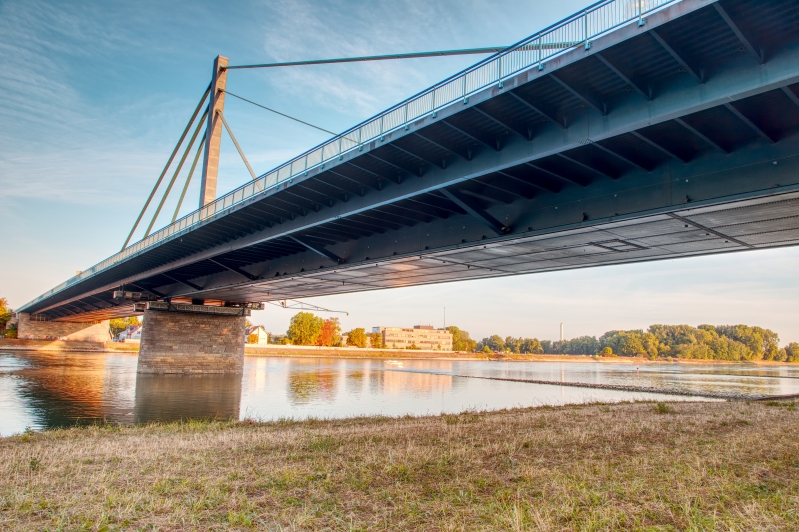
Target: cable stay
175,175
168,163
188,179
300,305
233,138
388,57
279,113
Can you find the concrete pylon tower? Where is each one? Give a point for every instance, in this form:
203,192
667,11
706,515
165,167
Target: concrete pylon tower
213,135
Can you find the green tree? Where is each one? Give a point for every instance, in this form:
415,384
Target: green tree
763,343
513,345
628,343
495,343
582,345
792,352
461,340
357,337
531,346
304,328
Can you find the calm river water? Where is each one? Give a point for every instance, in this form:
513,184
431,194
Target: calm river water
41,390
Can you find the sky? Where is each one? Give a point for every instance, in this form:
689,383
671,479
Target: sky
95,95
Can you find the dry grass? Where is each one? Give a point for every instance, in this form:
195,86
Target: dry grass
681,466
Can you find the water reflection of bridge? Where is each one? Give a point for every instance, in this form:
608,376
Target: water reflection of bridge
66,389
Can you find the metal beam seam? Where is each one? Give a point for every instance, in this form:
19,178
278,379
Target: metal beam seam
709,230
476,212
318,250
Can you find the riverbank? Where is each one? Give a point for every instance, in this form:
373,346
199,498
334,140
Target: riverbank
272,350
620,466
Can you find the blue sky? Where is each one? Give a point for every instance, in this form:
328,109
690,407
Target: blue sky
95,95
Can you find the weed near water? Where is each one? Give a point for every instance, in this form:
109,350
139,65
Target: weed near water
730,466
663,408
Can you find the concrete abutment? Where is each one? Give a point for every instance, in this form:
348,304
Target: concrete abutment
192,339
32,328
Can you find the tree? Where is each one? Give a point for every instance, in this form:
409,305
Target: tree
495,343
792,352
763,343
628,343
118,325
376,340
582,345
5,314
461,340
513,345
304,328
531,346
357,337
330,333
607,352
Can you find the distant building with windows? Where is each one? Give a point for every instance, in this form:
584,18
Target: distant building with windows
422,336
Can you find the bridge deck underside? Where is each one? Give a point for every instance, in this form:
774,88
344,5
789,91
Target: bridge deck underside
661,142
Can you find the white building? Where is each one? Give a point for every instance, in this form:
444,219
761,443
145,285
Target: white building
261,336
132,333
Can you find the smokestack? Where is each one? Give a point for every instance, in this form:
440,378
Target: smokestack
561,333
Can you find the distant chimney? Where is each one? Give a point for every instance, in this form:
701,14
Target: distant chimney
561,333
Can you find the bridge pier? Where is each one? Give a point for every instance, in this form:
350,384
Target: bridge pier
34,328
192,339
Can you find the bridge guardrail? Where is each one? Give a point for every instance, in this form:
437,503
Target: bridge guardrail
577,30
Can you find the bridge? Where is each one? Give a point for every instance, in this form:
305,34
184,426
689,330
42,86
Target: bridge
635,130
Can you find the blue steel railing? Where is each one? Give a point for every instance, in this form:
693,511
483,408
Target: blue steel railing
534,51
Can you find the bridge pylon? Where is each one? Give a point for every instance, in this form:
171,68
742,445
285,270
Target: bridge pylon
213,137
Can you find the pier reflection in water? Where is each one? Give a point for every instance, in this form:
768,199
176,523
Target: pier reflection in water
50,390
180,397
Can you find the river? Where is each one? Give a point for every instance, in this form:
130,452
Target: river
44,390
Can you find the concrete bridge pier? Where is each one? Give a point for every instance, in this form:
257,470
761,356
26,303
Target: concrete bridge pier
180,338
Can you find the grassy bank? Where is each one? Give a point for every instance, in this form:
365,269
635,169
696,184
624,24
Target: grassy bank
726,466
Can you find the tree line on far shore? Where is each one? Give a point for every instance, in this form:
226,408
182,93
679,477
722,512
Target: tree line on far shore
307,328
706,342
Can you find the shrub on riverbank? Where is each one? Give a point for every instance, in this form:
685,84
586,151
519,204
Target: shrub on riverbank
681,466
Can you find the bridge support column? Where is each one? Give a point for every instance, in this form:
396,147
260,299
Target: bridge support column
31,328
192,339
